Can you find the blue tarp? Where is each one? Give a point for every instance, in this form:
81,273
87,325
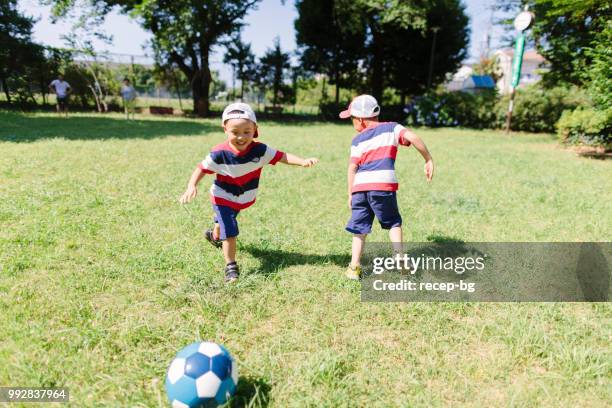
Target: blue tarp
483,81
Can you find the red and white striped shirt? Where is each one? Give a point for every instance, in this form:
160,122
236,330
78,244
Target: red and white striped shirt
374,150
237,172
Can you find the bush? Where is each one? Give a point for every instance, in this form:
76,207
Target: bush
330,110
586,126
454,109
537,109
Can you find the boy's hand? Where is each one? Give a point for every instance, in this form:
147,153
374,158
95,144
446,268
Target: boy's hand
310,162
429,169
189,194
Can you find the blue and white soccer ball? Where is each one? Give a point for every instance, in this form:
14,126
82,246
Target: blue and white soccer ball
203,374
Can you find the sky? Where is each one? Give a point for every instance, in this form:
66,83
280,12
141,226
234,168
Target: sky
269,20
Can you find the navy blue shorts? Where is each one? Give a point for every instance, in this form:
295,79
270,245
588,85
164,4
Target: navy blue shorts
367,204
226,218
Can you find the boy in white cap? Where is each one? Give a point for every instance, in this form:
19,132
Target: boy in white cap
371,175
238,163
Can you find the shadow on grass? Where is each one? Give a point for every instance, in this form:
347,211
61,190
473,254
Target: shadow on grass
593,273
251,392
21,128
273,260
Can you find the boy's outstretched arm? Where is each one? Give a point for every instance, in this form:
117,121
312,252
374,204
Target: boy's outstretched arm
294,160
418,143
192,186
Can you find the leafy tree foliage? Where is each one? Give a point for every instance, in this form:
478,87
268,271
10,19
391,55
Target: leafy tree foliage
331,37
242,59
274,67
564,31
184,32
407,51
19,55
386,41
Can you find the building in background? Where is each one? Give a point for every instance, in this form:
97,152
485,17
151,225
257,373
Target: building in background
534,65
464,80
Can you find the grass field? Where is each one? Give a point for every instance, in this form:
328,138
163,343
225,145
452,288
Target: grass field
103,276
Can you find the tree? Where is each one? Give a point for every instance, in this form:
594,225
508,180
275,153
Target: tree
18,53
242,59
184,32
331,37
273,67
407,51
387,41
382,16
598,77
563,32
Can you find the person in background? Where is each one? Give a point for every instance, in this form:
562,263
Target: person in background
62,90
128,95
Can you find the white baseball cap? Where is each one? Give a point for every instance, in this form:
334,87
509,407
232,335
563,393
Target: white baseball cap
239,110
363,106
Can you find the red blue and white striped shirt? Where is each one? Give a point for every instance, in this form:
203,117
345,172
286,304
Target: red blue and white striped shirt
237,172
374,150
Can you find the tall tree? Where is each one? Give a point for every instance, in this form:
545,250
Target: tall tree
273,67
331,37
184,32
382,16
407,51
242,59
388,41
18,53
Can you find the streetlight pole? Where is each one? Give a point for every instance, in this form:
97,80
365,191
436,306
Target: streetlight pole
522,22
431,59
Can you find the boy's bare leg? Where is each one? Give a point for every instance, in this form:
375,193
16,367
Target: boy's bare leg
229,250
357,249
216,231
395,234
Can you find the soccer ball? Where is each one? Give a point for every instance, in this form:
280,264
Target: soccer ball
203,374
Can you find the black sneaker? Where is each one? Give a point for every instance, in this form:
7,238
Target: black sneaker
231,272
208,234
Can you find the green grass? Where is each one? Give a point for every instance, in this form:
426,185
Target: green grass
103,276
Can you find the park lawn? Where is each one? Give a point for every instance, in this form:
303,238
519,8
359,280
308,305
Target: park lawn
104,277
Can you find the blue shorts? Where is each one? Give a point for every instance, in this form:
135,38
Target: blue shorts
367,204
226,218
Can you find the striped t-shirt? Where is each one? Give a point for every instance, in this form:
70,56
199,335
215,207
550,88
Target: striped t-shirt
373,150
237,172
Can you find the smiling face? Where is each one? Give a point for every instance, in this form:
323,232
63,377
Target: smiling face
240,132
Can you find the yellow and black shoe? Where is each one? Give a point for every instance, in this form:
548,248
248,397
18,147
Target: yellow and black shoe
353,273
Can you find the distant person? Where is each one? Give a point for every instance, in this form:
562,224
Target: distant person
128,94
62,90
372,184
